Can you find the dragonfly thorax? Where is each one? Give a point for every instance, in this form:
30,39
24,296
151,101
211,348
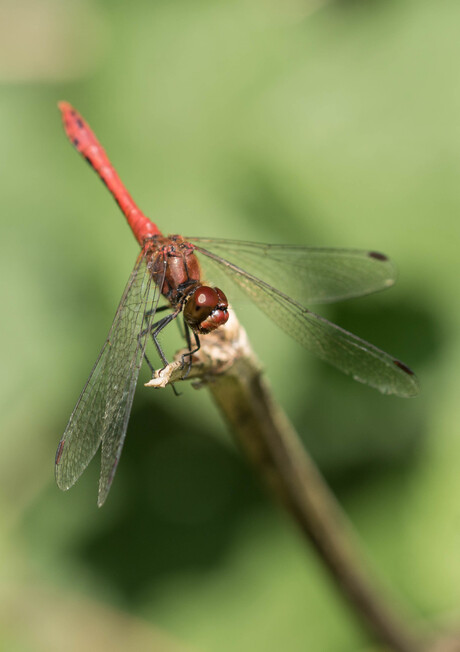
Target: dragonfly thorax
175,269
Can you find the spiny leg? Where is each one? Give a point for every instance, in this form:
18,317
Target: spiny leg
154,330
153,311
159,327
144,332
189,346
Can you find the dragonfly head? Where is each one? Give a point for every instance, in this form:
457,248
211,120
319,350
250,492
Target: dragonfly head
206,309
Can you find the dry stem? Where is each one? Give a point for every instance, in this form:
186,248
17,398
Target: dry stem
233,375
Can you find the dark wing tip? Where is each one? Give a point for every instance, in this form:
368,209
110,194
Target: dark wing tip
404,367
63,485
378,256
59,451
414,384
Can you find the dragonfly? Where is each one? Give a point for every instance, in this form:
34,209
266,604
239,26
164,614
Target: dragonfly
281,280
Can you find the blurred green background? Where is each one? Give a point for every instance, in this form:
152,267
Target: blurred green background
323,123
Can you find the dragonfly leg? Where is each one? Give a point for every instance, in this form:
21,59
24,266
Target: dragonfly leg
149,364
190,351
155,310
145,331
156,329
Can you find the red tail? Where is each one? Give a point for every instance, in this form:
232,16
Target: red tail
81,136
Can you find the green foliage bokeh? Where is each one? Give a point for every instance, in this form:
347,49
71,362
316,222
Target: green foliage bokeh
323,123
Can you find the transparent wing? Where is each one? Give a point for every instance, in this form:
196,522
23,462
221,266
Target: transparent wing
102,411
308,275
352,355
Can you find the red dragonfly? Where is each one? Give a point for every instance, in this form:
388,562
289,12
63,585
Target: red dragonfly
279,279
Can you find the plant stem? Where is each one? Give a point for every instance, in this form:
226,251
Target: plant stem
270,442
233,375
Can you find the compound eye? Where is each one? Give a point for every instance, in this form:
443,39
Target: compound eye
222,299
205,299
206,309
200,305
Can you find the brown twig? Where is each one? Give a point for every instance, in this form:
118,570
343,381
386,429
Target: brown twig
230,369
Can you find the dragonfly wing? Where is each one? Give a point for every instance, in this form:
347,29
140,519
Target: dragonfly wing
349,353
308,274
102,411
